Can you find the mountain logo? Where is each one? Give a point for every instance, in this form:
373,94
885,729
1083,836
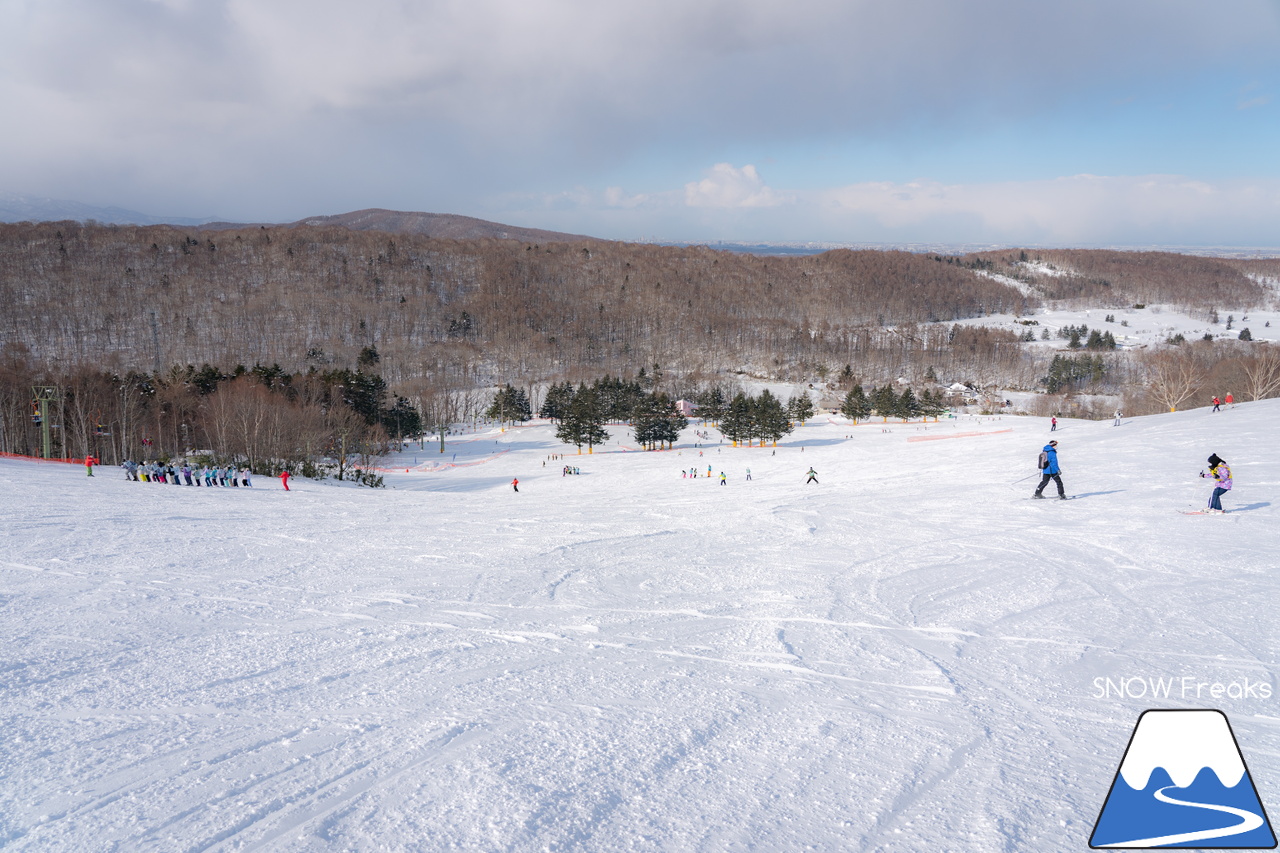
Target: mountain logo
1183,783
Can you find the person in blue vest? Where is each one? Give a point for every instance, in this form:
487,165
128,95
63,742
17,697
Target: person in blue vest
1049,470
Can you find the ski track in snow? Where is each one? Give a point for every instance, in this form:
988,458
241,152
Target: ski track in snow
900,658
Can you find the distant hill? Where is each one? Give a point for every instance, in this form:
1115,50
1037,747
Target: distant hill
440,226
25,208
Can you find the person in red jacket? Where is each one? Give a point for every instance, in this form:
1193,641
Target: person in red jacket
284,478
515,484
89,462
1217,404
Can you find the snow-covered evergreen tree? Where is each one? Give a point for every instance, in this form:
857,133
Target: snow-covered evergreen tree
856,405
737,421
800,408
510,405
557,401
583,421
770,419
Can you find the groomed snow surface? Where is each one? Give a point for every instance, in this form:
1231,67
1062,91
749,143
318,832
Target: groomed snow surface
904,656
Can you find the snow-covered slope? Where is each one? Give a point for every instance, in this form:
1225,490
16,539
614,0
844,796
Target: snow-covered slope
1139,327
909,655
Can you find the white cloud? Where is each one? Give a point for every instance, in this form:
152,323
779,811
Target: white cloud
733,203
284,108
616,197
1081,208
730,187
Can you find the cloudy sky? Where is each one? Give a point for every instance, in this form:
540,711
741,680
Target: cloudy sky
1119,122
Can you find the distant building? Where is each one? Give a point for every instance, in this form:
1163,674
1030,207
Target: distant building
686,407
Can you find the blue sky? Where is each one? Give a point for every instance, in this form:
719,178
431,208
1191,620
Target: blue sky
991,121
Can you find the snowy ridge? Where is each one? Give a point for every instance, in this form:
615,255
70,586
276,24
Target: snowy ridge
1183,743
1023,287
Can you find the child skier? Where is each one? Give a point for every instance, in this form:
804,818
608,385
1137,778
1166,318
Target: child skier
813,477
1220,473
1050,471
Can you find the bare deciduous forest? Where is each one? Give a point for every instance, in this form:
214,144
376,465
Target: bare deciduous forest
105,309
1111,279
151,297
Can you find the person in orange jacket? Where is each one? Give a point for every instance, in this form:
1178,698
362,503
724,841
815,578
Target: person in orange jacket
515,484
284,479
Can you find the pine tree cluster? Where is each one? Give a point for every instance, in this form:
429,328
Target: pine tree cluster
1066,372
750,418
510,405
582,413
1083,336
858,405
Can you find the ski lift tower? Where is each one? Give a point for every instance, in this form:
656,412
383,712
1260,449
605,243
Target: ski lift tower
44,395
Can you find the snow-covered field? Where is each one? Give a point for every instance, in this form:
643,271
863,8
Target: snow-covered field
902,657
1138,327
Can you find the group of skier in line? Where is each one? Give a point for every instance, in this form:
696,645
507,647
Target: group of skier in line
200,475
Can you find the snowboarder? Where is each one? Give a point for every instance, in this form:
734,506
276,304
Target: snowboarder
813,477
1217,405
724,481
1220,473
515,484
284,479
1050,471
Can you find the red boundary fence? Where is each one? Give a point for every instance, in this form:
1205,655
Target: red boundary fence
38,459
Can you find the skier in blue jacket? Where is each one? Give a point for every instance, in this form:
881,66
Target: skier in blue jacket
1050,471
